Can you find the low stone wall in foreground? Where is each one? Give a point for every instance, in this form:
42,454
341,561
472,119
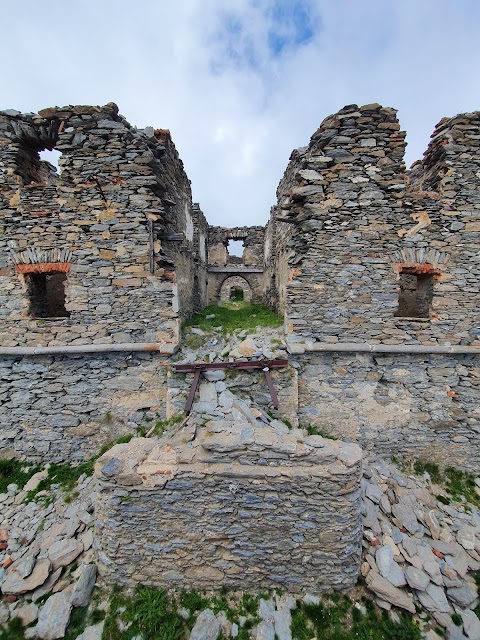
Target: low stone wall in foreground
239,507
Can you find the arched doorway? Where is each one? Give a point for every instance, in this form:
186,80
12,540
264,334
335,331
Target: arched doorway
235,288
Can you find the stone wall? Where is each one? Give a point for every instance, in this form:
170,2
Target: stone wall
64,407
249,267
253,239
200,244
222,280
246,509
412,406
118,220
350,220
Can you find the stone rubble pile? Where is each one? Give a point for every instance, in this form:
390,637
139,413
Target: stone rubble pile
418,552
263,343
47,558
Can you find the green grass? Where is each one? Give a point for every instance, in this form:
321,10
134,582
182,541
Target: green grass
162,425
457,619
193,601
335,618
314,431
153,613
193,341
15,472
77,624
233,315
13,630
149,612
458,484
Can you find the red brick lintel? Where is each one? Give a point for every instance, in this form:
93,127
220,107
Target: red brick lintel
43,267
418,269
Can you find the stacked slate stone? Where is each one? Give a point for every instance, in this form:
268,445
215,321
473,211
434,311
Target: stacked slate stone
407,405
91,222
449,177
59,408
113,178
238,500
420,553
347,220
223,267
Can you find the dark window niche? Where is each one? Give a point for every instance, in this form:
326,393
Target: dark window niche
46,292
416,295
236,294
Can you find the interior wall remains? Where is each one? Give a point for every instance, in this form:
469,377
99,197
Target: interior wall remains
350,219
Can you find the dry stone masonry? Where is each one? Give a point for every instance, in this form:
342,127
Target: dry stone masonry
375,271
359,255
229,274
419,554
231,504
351,220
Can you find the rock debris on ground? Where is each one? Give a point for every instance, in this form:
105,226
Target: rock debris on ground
419,554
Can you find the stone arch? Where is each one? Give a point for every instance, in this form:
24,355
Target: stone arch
235,282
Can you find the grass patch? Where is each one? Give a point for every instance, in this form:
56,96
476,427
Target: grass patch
234,315
314,431
152,613
77,624
149,612
162,425
63,475
459,485
457,619
15,472
13,630
336,618
193,341
194,602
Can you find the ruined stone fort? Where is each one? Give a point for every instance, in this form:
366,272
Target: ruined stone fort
374,269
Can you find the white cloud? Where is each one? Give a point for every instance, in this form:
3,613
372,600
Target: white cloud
240,84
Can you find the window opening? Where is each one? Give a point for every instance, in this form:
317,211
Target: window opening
416,295
235,249
47,295
236,294
50,162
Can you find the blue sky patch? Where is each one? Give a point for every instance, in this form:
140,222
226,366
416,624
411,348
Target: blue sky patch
292,25
288,25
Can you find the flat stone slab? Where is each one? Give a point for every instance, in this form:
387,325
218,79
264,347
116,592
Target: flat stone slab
386,591
416,578
206,627
54,616
14,584
64,552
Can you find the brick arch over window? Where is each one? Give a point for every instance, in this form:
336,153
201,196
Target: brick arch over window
232,283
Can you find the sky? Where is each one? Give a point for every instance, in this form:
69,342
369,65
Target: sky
240,83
